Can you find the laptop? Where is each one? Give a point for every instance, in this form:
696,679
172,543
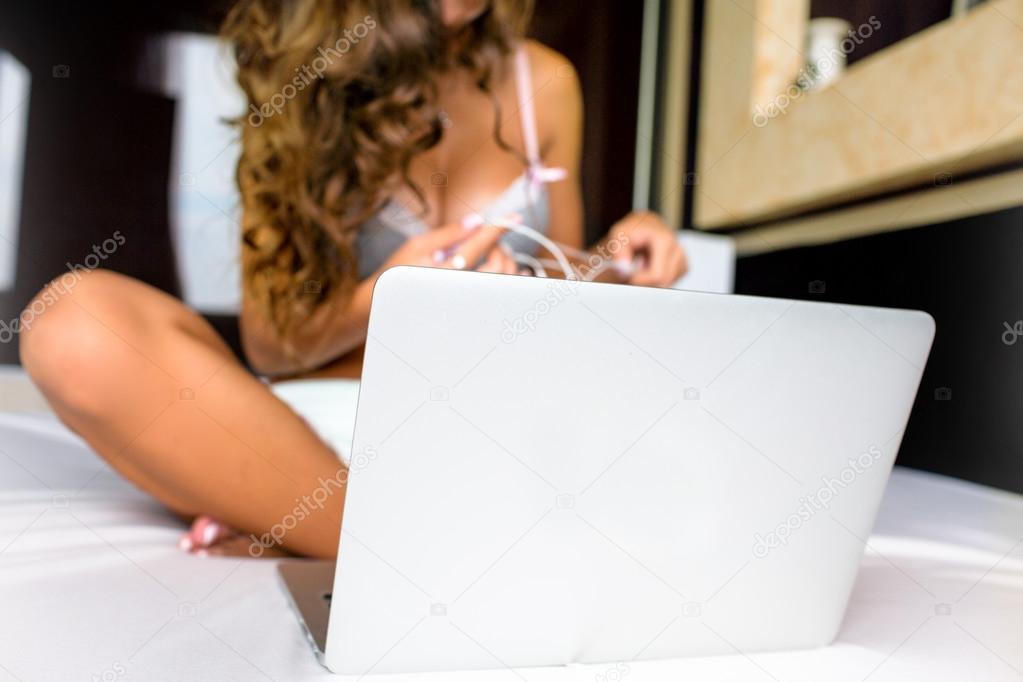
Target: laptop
552,472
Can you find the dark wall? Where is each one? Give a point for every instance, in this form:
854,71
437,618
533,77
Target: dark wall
967,274
602,39
97,149
898,19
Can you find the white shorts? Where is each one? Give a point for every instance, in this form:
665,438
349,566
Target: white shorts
327,405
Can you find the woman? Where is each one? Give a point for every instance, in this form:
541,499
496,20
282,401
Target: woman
379,133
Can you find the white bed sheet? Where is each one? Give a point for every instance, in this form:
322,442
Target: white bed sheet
92,586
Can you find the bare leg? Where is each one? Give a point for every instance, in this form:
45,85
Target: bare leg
153,389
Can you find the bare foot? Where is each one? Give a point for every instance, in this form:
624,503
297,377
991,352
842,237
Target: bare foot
209,537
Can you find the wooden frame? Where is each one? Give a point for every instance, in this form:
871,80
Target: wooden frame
941,103
912,209
671,180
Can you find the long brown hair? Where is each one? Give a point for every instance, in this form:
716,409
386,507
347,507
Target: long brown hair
341,98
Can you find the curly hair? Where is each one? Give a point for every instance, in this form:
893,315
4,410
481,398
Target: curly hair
341,98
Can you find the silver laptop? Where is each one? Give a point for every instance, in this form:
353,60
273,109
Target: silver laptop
548,472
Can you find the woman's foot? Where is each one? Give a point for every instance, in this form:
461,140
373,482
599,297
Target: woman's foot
209,537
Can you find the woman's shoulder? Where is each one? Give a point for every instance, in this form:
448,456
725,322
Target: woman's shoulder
556,90
548,65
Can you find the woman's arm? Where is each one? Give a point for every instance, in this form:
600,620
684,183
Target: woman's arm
641,235
558,103
338,326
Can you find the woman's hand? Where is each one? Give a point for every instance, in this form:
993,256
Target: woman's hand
456,247
338,326
648,249
500,261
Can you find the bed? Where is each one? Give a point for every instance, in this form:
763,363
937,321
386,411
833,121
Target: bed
92,586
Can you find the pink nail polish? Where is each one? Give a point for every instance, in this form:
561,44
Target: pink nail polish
185,544
210,532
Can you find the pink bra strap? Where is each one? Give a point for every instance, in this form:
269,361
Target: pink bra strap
538,173
524,88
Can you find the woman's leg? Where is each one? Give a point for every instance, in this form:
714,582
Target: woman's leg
153,389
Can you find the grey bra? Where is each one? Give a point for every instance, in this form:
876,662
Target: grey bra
526,196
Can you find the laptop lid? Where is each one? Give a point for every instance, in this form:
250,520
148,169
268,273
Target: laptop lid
547,472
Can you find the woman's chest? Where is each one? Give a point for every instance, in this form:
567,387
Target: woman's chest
478,157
